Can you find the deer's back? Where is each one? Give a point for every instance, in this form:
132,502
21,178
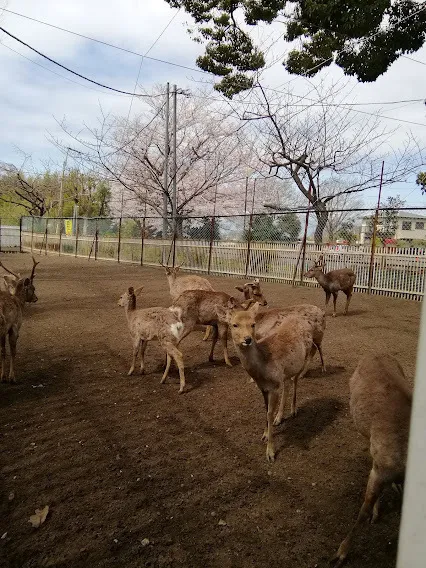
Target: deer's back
270,319
200,305
381,407
341,279
10,312
184,283
154,323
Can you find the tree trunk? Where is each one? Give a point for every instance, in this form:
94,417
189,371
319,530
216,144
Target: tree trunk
321,214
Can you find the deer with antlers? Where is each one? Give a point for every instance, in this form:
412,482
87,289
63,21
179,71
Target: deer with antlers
332,282
12,279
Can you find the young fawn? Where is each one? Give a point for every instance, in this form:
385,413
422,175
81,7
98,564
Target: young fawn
332,282
11,306
252,291
183,283
272,361
162,324
380,404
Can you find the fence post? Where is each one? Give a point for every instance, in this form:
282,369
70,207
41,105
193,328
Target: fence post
0,235
248,244
96,239
60,235
373,241
32,233
76,236
119,240
20,234
47,232
142,239
211,245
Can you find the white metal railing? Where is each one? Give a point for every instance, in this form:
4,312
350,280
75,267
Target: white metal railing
397,272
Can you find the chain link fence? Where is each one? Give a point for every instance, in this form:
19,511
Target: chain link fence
386,249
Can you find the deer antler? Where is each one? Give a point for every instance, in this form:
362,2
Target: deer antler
18,276
33,270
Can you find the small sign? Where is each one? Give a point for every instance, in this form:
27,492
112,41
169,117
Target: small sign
68,227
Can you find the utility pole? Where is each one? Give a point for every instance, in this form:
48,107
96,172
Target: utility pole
61,192
166,164
174,192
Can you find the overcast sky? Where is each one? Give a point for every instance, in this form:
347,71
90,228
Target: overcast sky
33,99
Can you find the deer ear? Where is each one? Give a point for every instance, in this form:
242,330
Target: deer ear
223,314
138,291
131,290
254,308
27,282
239,288
232,303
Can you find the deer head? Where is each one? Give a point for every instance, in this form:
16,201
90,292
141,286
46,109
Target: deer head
252,291
18,286
242,323
128,299
318,266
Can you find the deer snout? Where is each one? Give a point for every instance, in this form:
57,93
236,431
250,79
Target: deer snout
247,340
265,303
35,299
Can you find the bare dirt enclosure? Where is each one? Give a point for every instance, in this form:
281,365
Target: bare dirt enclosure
136,475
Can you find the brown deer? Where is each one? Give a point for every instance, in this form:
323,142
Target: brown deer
183,283
380,405
162,324
11,306
272,361
12,279
332,282
199,307
252,291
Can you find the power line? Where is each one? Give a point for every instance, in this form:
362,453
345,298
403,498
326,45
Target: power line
58,74
67,68
108,44
412,59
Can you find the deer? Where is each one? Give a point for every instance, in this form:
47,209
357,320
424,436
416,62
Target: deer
332,282
12,279
183,283
162,324
380,405
11,307
199,307
252,291
272,361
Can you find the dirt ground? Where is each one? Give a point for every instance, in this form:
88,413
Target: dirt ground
123,459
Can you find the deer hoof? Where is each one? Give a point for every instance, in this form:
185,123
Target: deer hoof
278,419
270,454
130,372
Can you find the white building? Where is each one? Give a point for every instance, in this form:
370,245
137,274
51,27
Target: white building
410,227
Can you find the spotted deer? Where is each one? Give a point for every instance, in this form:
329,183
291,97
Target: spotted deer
273,361
380,405
162,324
332,282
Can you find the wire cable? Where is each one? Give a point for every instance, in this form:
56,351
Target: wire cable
68,69
108,44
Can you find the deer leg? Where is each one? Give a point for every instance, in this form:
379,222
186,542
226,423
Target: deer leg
214,341
136,346
334,303
207,333
167,369
293,400
174,352
348,300
272,405
143,345
327,298
374,488
280,413
13,339
223,336
3,358
318,346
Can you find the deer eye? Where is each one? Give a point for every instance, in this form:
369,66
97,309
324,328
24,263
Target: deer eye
235,325
252,325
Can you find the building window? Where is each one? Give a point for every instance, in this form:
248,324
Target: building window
420,225
406,225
